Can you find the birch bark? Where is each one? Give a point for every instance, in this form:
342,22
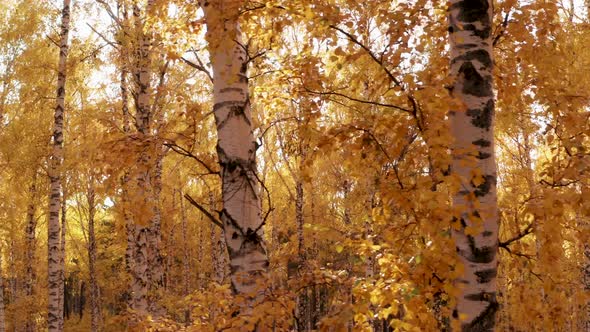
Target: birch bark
470,28
236,151
129,228
62,255
54,319
142,187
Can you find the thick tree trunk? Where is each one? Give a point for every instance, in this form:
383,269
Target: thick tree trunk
143,196
470,27
236,151
30,248
54,319
94,290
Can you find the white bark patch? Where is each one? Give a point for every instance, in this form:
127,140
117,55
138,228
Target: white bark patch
474,162
54,269
236,149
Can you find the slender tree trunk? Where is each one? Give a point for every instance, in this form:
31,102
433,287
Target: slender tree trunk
236,151
185,258
54,320
94,290
218,275
303,319
587,285
12,284
376,323
30,248
62,255
2,312
299,219
129,227
470,27
155,259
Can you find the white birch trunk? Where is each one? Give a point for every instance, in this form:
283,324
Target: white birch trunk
54,320
142,199
236,150
218,248
470,28
62,256
129,227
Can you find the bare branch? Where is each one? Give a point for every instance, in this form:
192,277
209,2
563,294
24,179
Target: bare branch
504,244
110,12
205,212
53,41
381,63
115,46
182,151
198,67
358,100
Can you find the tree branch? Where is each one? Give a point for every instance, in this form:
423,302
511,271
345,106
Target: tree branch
504,244
198,67
357,100
115,46
114,17
205,212
182,151
415,108
502,27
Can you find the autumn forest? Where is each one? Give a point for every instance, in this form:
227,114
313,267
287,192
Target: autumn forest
311,165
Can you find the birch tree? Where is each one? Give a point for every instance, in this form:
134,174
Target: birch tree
146,268
54,319
236,151
476,235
